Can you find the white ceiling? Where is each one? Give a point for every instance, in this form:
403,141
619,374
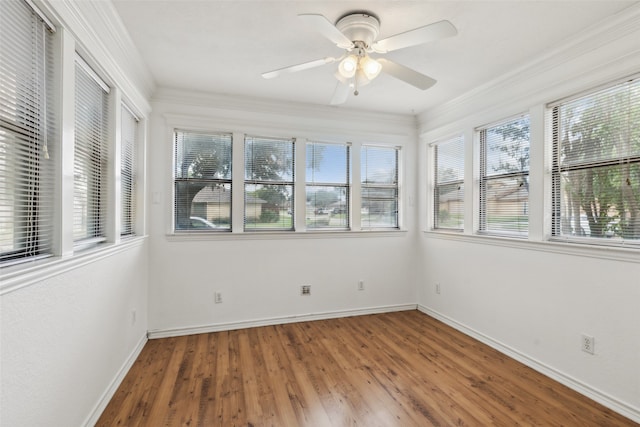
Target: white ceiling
223,46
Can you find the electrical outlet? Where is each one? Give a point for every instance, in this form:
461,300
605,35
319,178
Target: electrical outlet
438,288
305,290
588,344
361,285
133,317
217,297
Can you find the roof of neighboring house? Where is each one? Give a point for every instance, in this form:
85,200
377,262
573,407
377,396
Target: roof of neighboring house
219,195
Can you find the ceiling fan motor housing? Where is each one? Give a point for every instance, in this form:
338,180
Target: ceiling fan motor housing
360,27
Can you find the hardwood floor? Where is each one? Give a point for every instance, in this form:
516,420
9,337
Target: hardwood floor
394,369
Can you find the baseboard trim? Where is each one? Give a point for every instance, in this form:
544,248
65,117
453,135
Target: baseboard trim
104,400
229,326
603,398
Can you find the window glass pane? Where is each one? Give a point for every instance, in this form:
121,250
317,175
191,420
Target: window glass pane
601,202
596,161
327,207
449,184
327,163
379,181
506,205
507,147
450,206
268,207
268,159
202,181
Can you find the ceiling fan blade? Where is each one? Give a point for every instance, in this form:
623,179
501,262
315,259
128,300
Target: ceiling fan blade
406,74
340,94
428,33
298,67
322,25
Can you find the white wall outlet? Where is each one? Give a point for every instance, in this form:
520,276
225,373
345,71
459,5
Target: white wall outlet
133,317
438,288
588,344
361,285
217,297
305,290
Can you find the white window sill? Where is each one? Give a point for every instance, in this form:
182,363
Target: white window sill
282,235
616,253
30,272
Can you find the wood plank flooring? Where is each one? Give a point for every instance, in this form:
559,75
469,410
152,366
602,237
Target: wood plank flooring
394,369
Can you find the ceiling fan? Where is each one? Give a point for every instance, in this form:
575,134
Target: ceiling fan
357,34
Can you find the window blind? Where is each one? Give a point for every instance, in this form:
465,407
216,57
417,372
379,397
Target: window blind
90,158
129,134
379,182
504,178
27,160
202,179
269,178
596,165
449,184
327,185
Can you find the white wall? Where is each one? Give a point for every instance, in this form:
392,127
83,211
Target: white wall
66,338
534,299
260,275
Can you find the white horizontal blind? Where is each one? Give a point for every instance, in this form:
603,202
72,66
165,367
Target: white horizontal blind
327,187
27,162
202,179
596,166
269,179
504,178
129,135
379,182
448,193
90,158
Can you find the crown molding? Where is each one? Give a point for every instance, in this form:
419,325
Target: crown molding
104,41
615,41
321,115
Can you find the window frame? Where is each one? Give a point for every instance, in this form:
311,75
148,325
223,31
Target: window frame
346,185
558,168
485,178
207,181
270,182
381,186
33,128
460,182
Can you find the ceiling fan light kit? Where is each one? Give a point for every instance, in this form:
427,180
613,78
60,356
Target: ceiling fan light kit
357,33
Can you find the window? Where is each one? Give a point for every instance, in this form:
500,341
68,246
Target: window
90,156
327,189
504,178
27,160
448,193
269,178
129,131
596,165
379,181
202,179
